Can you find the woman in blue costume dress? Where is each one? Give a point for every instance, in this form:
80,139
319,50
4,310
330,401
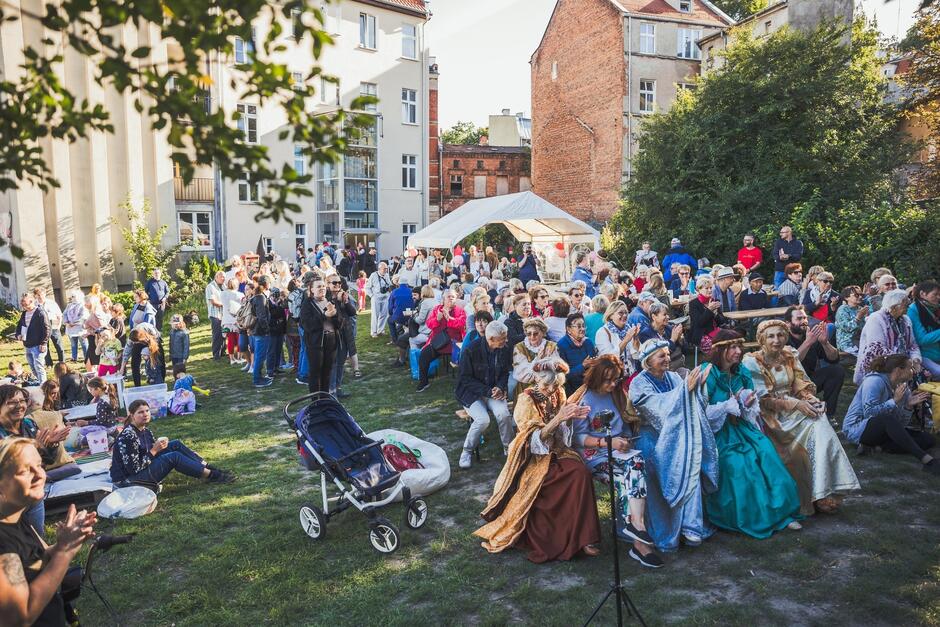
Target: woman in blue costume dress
756,494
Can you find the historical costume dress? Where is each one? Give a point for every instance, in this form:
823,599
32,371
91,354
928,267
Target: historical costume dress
756,495
543,499
808,446
524,358
678,446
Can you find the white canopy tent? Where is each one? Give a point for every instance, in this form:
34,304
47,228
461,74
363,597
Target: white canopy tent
528,217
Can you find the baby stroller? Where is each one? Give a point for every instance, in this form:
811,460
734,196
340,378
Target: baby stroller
330,441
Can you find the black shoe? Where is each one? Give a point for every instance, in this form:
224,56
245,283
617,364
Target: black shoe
423,386
220,476
933,467
398,364
635,534
264,383
650,560
301,381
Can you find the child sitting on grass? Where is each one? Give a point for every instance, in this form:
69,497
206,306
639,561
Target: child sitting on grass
109,351
179,340
183,400
16,374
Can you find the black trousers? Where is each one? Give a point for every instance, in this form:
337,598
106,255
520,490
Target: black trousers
425,357
218,339
136,351
159,319
56,338
893,437
320,361
829,382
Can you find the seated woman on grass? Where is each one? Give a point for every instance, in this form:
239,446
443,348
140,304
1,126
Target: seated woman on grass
138,457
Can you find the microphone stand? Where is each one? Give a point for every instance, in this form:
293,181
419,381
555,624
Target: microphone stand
622,598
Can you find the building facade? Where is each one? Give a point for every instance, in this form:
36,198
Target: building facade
471,171
71,235
601,67
508,129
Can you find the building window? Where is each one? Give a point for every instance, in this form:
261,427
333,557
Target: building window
367,31
297,81
767,26
300,235
479,165
409,172
247,190
248,122
360,180
647,95
268,245
244,50
479,187
456,185
687,48
685,86
409,106
554,71
456,163
648,38
407,230
502,164
329,91
296,24
369,89
685,6
710,57
409,41
300,160
195,228
327,194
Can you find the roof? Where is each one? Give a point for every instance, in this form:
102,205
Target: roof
702,11
411,6
528,217
470,149
773,7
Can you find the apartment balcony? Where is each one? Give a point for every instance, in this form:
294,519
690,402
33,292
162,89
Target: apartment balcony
199,190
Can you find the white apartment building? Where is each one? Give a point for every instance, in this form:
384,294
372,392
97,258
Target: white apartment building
71,235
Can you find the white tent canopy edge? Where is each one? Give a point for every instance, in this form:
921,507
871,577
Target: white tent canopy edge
528,217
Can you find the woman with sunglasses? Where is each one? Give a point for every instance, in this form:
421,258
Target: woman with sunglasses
530,355
820,301
539,296
618,338
789,290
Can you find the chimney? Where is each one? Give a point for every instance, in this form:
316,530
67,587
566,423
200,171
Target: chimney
520,115
505,111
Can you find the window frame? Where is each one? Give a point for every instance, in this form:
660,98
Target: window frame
406,38
374,91
298,236
687,4
245,120
652,95
647,37
247,48
193,224
688,36
407,230
409,106
458,179
409,172
326,87
244,183
300,159
367,20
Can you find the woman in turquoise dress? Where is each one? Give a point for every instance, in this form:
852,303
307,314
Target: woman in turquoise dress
756,494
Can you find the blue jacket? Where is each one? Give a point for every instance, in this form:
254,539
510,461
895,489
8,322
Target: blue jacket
875,397
793,248
150,315
157,291
529,272
583,274
481,370
638,316
929,341
574,356
677,255
399,301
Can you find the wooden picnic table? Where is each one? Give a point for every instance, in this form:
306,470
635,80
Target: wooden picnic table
771,312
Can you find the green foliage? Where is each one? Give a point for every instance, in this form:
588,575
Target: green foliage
463,133
495,235
792,129
126,299
738,9
923,90
192,280
172,96
143,246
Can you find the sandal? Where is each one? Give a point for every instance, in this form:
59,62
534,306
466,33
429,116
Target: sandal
827,505
357,374
591,550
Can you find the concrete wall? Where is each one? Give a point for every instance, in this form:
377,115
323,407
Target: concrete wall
808,14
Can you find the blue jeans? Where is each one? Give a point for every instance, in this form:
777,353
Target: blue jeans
275,353
336,377
779,277
177,456
302,367
260,345
37,362
77,341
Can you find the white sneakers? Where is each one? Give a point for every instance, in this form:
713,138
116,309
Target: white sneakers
466,459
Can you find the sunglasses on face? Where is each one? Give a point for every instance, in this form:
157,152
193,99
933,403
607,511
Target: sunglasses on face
533,333
543,296
827,281
621,314
576,295
336,282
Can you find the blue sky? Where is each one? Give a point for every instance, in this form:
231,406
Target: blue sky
483,49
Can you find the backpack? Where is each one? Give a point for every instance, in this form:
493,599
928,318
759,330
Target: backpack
245,317
294,300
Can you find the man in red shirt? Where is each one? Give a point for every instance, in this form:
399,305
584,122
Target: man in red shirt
750,256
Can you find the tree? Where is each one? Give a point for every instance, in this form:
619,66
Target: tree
739,9
36,105
923,88
463,133
792,126
143,246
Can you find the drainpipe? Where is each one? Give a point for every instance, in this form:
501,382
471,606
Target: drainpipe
629,97
425,128
221,247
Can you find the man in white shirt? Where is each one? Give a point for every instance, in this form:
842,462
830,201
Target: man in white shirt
214,309
54,318
409,274
379,288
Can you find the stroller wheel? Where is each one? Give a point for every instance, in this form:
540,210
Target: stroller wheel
417,513
313,521
384,536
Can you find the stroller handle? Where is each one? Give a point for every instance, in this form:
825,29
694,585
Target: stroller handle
307,397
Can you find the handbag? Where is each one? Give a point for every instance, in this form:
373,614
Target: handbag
399,459
440,340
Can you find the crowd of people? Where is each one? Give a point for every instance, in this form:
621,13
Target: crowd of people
704,433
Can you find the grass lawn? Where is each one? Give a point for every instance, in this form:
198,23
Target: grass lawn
236,554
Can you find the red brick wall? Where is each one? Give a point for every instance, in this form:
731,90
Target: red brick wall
577,120
434,163
516,166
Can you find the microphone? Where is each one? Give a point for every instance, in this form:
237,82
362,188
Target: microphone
106,542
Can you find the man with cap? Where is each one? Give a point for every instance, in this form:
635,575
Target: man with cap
753,296
722,291
641,313
676,254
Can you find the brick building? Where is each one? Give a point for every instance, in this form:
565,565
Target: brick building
601,67
471,171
